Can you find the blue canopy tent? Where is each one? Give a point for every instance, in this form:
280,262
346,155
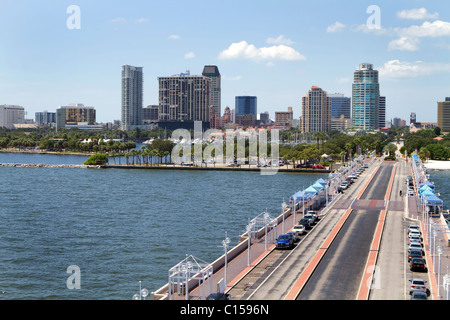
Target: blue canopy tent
311,190
322,181
318,186
300,196
426,192
427,183
434,204
425,187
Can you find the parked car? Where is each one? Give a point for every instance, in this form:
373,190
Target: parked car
418,285
306,223
415,245
340,189
415,239
300,228
414,233
295,235
285,241
413,228
219,296
411,193
314,214
318,166
415,254
418,296
417,264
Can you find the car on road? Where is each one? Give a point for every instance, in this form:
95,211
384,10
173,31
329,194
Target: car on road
306,223
300,228
414,233
285,241
418,285
416,246
311,218
413,228
419,296
314,214
415,239
418,264
411,193
414,254
295,235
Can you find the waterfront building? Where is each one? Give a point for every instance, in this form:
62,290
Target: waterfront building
284,118
246,105
316,111
132,97
341,124
365,98
264,118
45,118
11,115
76,116
340,106
150,113
213,73
443,115
184,98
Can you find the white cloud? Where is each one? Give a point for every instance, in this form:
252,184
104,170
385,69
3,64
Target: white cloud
173,37
404,43
417,14
280,40
398,69
243,50
428,29
189,55
336,27
141,20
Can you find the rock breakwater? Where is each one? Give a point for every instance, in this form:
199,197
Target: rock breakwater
32,165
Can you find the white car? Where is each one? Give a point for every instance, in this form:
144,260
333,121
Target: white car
413,227
295,234
414,233
418,285
415,239
300,228
415,246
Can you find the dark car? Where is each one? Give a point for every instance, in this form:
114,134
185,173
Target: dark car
218,296
419,296
417,264
306,222
285,241
415,254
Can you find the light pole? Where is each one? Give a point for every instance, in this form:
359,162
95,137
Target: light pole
143,293
283,209
225,244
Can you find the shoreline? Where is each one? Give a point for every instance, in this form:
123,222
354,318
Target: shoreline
437,165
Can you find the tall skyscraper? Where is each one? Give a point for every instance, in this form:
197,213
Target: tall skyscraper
443,115
382,112
365,98
11,115
184,97
316,111
132,97
340,106
213,73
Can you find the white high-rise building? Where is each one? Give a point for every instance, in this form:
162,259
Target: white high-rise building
132,97
11,115
216,95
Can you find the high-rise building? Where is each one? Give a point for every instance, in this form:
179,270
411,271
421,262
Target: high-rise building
213,73
365,98
45,118
382,112
340,106
11,115
246,105
184,97
284,118
75,115
443,115
132,97
150,113
316,111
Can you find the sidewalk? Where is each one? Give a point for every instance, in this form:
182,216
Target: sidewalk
435,235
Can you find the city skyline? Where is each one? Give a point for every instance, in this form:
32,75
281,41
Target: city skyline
273,52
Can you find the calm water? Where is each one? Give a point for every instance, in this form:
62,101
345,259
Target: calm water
120,226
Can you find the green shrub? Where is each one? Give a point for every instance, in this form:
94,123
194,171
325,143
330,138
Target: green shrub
97,159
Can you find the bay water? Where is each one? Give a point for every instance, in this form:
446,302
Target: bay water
120,226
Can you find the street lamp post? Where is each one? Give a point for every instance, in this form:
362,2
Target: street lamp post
225,244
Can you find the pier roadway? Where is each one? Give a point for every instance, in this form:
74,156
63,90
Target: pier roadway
276,281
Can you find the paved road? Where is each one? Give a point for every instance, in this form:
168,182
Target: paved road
275,282
339,274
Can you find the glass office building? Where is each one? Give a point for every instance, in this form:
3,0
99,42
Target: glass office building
246,105
340,106
365,98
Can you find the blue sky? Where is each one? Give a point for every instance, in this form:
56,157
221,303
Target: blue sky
275,50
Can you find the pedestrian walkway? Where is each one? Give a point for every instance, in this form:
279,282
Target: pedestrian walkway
435,234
